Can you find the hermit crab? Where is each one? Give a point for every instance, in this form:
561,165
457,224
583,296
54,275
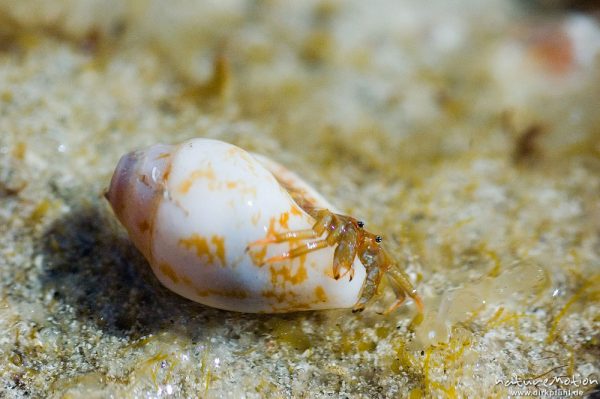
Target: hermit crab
238,231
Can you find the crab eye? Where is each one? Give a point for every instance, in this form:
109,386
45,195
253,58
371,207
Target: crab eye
378,239
360,224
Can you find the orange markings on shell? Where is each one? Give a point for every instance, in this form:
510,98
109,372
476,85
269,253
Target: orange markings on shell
200,245
248,159
280,297
227,293
167,172
163,155
295,211
233,151
168,271
258,256
144,226
294,307
207,173
219,242
256,217
236,292
186,280
283,220
290,302
320,294
286,275
285,297
271,229
250,190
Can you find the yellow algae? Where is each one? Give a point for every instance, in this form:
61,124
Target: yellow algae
404,360
450,356
414,234
382,332
513,321
571,351
6,96
427,365
40,211
156,363
245,352
357,342
416,393
29,40
317,46
205,372
19,150
591,282
141,342
492,321
151,365
289,333
493,255
366,345
416,321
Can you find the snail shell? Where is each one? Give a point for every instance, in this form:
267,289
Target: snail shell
192,209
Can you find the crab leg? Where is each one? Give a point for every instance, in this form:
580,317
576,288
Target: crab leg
287,236
402,288
301,250
369,289
344,255
324,220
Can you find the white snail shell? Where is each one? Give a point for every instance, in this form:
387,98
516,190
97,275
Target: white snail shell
192,210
